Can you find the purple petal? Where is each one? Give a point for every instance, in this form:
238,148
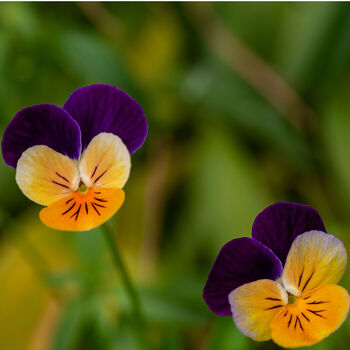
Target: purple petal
240,261
104,108
42,124
279,224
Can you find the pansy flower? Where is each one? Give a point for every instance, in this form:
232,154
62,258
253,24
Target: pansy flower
281,283
75,160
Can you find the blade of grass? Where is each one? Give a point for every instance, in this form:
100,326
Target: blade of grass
137,313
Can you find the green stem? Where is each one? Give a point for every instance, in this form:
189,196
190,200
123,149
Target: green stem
138,316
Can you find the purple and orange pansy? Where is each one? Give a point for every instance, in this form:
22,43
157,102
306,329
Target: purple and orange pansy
75,159
281,283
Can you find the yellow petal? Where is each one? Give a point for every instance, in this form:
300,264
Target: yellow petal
315,258
311,318
45,176
254,305
105,163
82,212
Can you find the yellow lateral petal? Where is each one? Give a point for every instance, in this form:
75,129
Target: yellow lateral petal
315,258
105,163
311,318
45,176
254,305
82,212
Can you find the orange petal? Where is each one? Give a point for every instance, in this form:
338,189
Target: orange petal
311,318
82,212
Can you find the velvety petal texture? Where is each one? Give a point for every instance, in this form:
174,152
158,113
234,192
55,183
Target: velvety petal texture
104,108
254,305
42,124
240,261
315,258
279,224
105,162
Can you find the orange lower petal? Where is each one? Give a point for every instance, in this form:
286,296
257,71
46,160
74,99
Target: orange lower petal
311,318
82,212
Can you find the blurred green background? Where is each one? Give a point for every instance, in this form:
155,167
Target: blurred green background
247,103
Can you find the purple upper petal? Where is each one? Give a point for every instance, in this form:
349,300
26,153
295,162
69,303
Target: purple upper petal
104,108
240,261
279,224
42,124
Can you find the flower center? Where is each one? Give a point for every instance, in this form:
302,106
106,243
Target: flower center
83,188
291,299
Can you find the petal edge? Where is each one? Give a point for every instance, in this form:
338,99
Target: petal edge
45,176
240,261
254,305
105,162
42,124
105,108
315,258
312,318
83,212
279,224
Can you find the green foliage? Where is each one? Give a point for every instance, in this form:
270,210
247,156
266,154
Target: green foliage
218,152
